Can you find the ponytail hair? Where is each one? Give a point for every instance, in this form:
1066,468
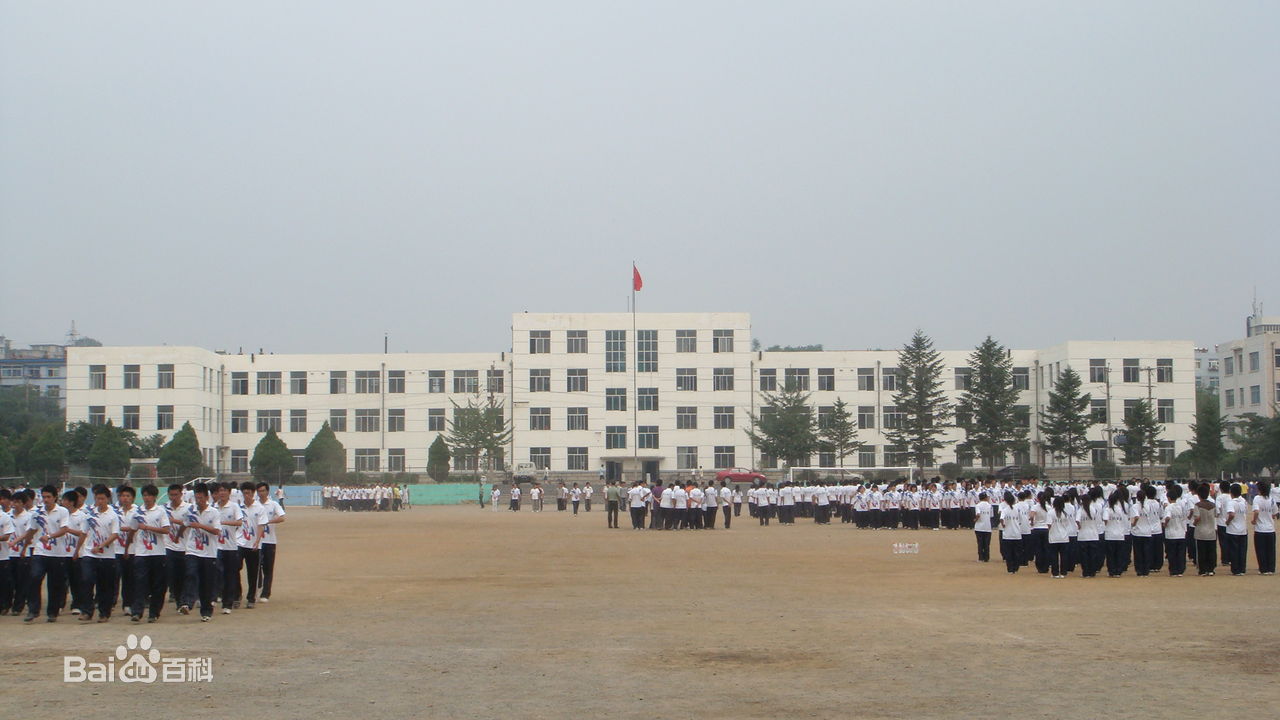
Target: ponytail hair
1264,489
1060,506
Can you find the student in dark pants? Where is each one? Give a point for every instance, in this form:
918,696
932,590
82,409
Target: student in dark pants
726,503
48,564
1175,531
1237,531
151,526
1264,529
175,566
203,526
229,519
1204,517
982,528
1010,533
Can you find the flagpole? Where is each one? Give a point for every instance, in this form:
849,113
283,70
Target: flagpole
635,359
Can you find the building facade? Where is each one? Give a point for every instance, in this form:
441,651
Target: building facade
41,368
1250,366
589,393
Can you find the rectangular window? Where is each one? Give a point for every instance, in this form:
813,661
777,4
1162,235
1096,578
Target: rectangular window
164,417
395,420
895,455
337,382
646,351
687,417
1231,398
1255,394
495,380
368,382
1132,372
867,456
1164,411
540,457
892,418
540,418
576,342
577,458
298,421
539,342
97,414
889,379
395,460
435,381
1255,361
615,398
824,421
687,379
615,350
435,420
298,383
395,384
1164,452
1098,452
239,421
268,383
1021,378
239,461
1129,407
867,379
768,379
97,377
132,377
723,417
615,437
687,457
648,437
797,379
1098,411
1228,366
1275,361
964,378
1097,370
826,459
164,376
540,380
1164,370
268,420
366,459
1022,416
299,460
647,399
721,341
466,381
367,420
576,419
768,462
338,420
465,462
867,417
826,379
725,457
686,341
239,383
964,416
576,379
722,379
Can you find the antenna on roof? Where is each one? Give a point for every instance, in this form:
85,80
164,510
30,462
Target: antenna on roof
72,335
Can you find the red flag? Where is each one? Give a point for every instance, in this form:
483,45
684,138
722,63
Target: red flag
636,282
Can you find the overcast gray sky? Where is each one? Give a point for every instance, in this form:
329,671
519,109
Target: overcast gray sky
303,176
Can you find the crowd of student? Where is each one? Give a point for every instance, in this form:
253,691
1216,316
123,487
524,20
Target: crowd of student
364,498
209,542
1139,525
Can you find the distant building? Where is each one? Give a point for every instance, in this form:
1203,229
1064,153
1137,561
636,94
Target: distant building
42,367
1251,369
1208,369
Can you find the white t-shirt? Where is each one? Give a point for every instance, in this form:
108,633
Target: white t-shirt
6,528
46,523
982,517
1266,509
253,520
201,543
636,496
1089,523
230,512
1175,515
124,543
1238,524
271,510
575,495
76,521
710,498
100,526
173,540
1059,525
145,542
695,498
1010,522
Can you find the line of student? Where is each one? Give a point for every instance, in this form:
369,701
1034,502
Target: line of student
112,552
1138,525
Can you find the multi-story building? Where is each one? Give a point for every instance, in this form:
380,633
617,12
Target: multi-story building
39,367
1251,370
1208,369
589,392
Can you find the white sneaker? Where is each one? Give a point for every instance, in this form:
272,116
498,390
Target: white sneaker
226,611
263,599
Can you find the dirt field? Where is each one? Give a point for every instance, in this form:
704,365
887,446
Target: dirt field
458,612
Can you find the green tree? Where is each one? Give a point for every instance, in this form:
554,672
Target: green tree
1207,451
1142,436
326,458
45,457
272,462
992,430
146,447
1258,443
80,437
1106,469
478,431
109,456
181,456
785,427
24,408
8,465
839,435
438,460
1065,423
950,470
925,412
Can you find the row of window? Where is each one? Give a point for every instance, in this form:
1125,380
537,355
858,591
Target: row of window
1131,370
1236,360
30,372
616,345
367,382
131,378
1255,396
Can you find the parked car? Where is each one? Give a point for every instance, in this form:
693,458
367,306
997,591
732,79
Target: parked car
739,475
525,472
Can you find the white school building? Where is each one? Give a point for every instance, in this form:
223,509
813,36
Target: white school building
660,392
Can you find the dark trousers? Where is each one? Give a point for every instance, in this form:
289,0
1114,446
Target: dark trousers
728,516
1206,556
1040,538
560,504
175,570
202,577
1012,552
709,518
55,570
1143,550
1026,549
655,520
6,583
124,572
1176,552
1117,556
611,512
75,583
20,571
1058,558
1264,548
1224,545
984,545
101,577
575,506
250,558
737,509
231,590
268,563
148,585
1238,552
637,518
1090,557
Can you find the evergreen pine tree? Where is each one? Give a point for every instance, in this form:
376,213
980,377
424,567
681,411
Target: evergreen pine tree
785,427
326,458
1207,450
839,436
109,456
1142,435
925,412
181,457
272,462
993,429
1065,423
438,460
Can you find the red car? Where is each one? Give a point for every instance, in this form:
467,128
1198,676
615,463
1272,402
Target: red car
739,475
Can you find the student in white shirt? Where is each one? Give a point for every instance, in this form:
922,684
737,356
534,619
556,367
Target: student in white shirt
249,542
494,497
1011,533
727,501
1059,520
47,561
575,497
982,527
175,566
274,514
695,515
1237,531
6,536
710,506
98,559
1038,512
1175,531
151,526
203,527
636,497
230,517
1264,528
1089,528
1116,517
124,510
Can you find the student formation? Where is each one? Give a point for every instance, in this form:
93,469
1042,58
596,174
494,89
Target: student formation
111,548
